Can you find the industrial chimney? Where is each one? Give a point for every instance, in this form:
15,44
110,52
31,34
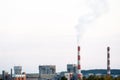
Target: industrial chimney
11,73
79,65
108,61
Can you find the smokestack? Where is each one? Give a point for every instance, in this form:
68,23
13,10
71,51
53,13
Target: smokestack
79,65
108,61
3,75
11,73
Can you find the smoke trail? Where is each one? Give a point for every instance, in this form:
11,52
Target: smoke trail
96,9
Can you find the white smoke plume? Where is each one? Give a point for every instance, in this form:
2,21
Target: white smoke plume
96,9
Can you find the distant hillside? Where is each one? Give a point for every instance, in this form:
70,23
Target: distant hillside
101,71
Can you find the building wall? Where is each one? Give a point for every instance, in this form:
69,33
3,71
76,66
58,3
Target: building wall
71,68
47,72
47,69
19,78
17,69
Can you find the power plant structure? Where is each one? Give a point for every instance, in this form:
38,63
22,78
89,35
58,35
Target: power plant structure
46,72
71,68
17,69
79,74
18,75
108,61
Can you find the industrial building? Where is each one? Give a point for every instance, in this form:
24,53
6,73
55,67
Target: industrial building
71,73
47,69
6,76
18,75
71,68
17,69
47,72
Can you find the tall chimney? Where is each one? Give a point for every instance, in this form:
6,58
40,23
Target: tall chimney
11,73
108,61
79,65
3,75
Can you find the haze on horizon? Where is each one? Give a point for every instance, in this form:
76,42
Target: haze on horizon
40,32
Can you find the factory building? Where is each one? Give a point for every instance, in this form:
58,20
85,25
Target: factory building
18,75
47,72
70,74
47,69
17,69
71,68
6,76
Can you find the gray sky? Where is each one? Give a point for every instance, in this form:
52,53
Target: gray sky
36,32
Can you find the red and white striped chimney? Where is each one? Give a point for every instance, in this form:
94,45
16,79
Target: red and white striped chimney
79,65
108,61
